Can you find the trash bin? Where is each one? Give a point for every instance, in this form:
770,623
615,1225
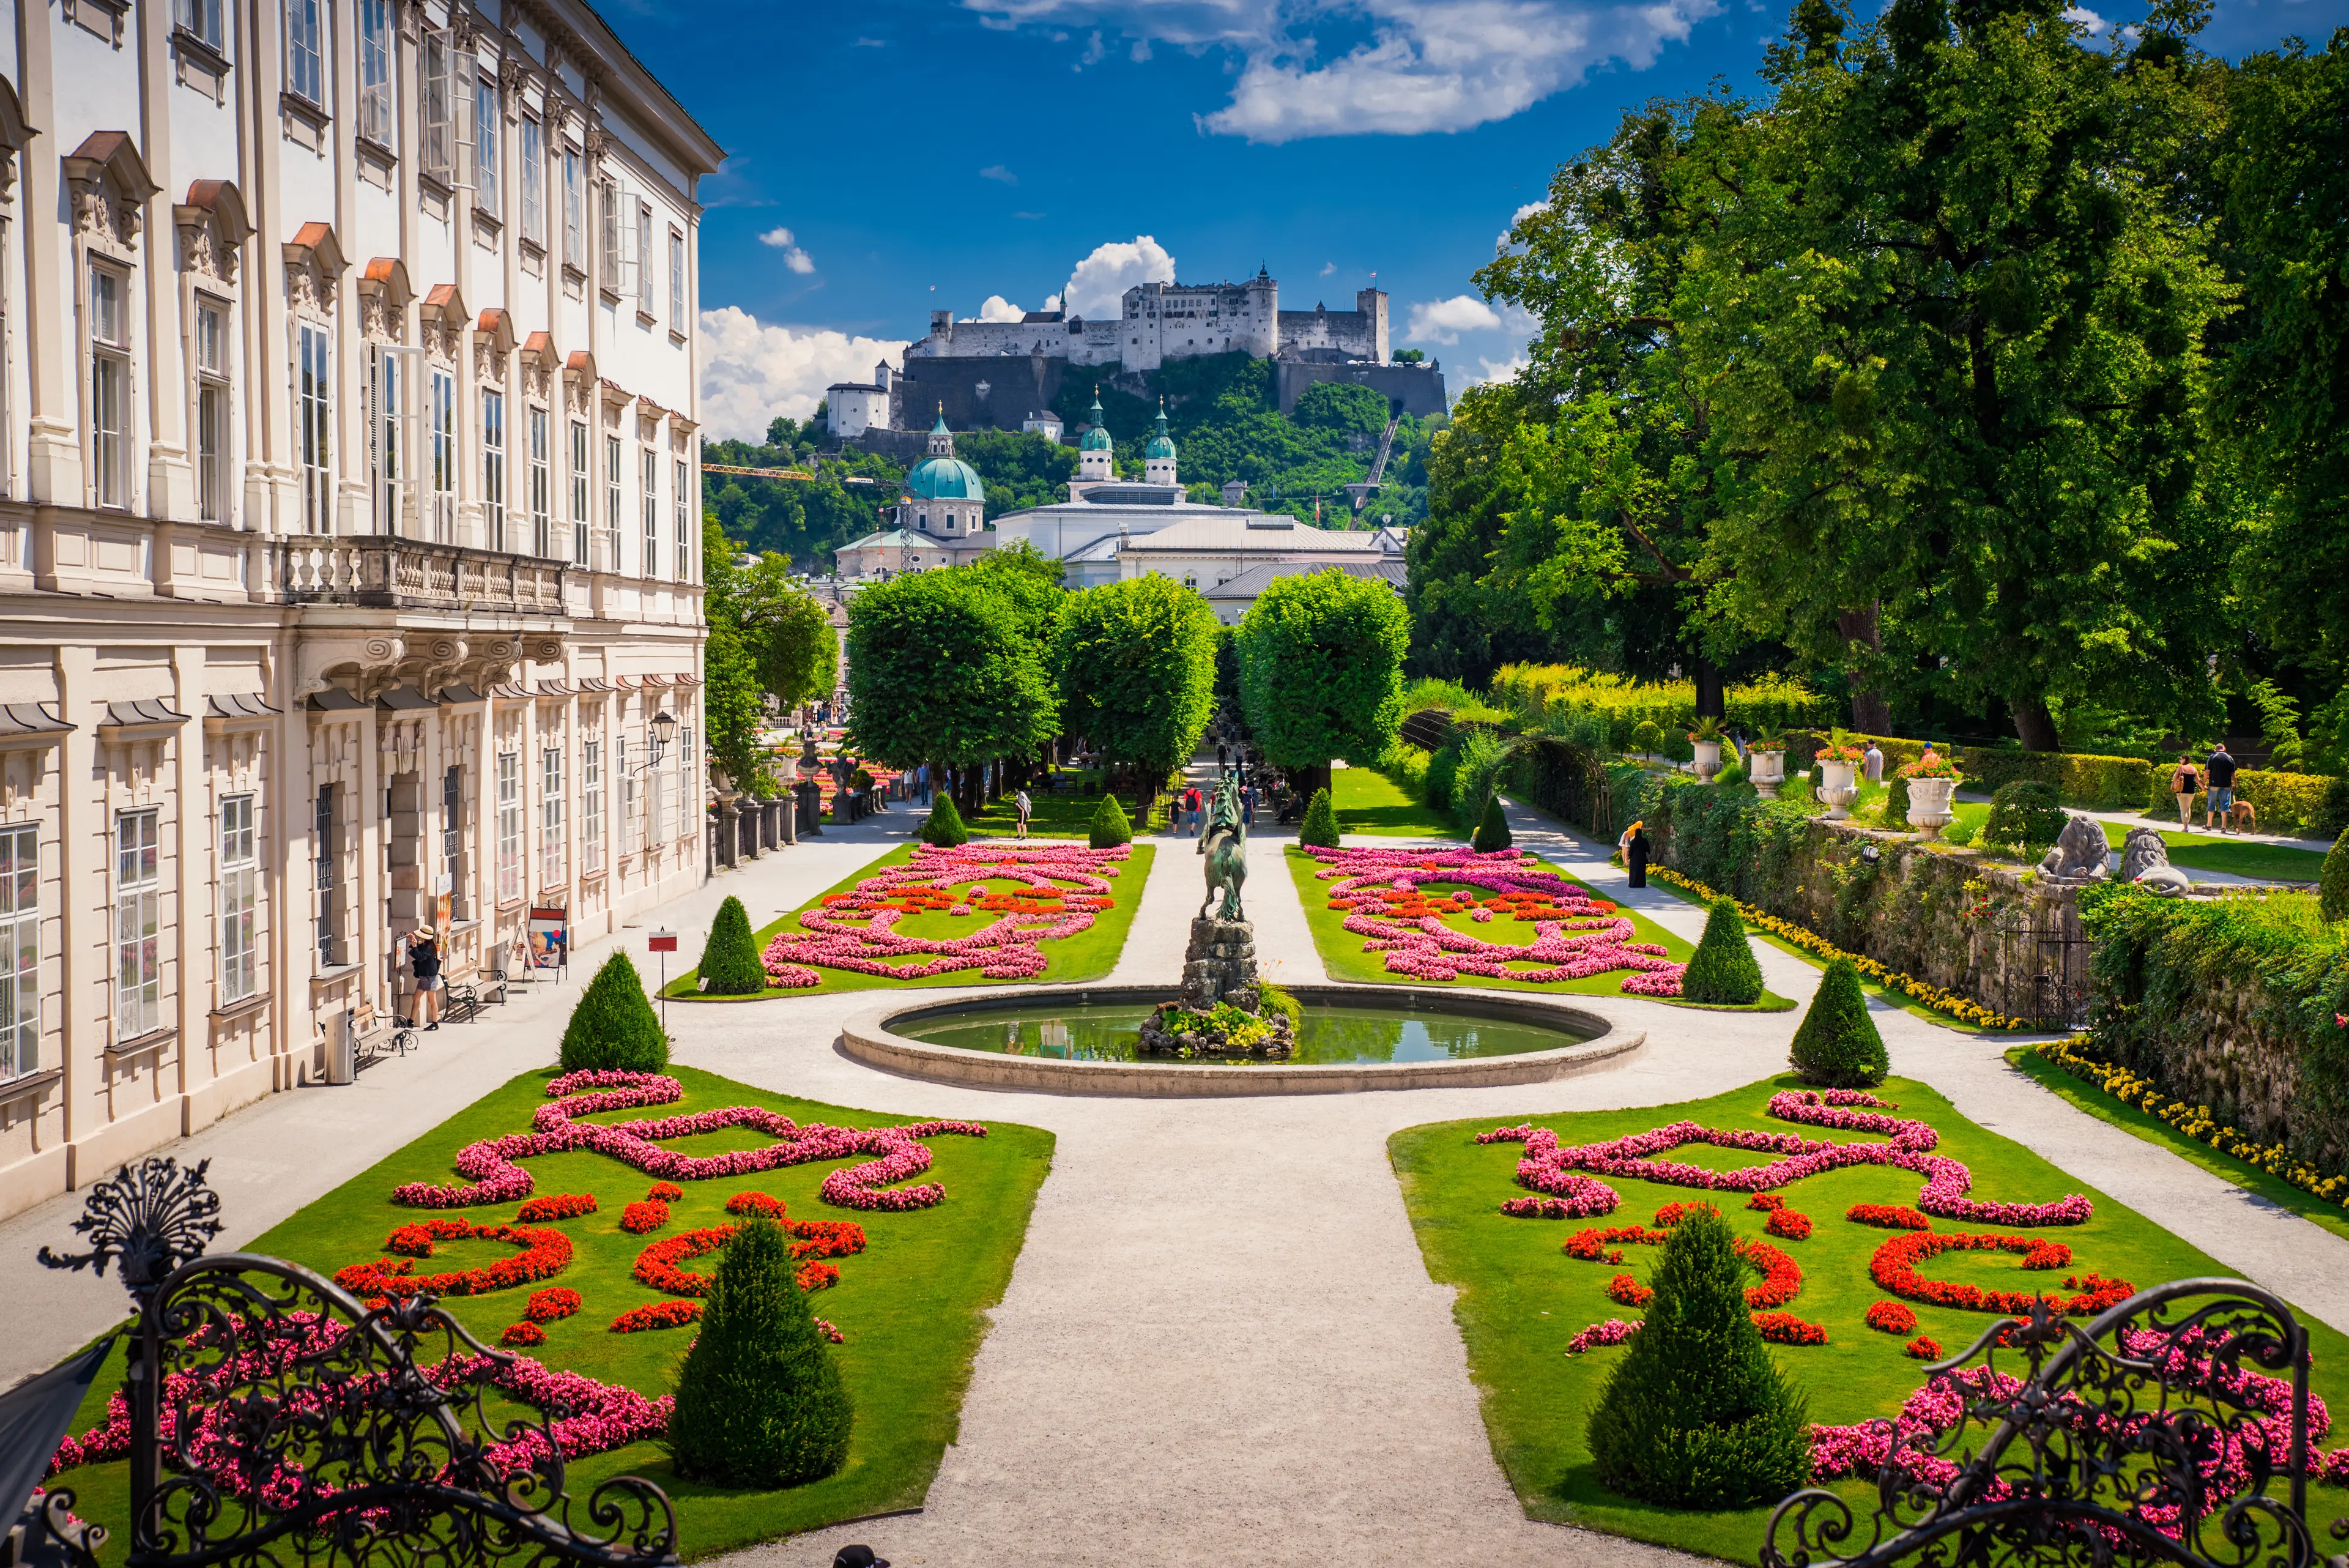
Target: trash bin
342,1049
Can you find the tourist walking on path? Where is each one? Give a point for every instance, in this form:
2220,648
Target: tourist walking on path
1247,806
2184,781
1872,763
424,963
1635,846
2220,800
1024,806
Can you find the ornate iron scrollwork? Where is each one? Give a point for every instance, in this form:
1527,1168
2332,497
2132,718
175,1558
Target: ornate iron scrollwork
277,1419
2172,1429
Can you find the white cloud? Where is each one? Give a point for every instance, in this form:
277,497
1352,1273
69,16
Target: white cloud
1426,65
1443,320
998,308
999,173
1501,240
1496,371
1096,289
1052,302
1328,267
2080,16
1141,51
798,260
752,371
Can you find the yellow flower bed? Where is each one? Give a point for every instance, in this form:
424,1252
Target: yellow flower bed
2195,1121
1963,1008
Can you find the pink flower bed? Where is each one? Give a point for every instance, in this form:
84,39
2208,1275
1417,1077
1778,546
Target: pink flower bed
1066,886
1553,1169
493,1177
1575,936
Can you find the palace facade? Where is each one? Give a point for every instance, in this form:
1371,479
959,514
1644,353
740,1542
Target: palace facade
350,531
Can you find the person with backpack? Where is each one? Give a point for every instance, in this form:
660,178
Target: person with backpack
2185,783
2219,800
1024,806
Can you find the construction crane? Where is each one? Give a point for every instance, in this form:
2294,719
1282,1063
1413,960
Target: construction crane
757,473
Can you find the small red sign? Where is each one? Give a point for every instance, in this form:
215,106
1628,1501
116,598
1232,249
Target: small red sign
661,942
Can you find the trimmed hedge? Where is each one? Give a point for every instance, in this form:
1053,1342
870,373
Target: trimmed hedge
1836,1045
614,1028
1722,972
1319,829
1111,827
730,963
2024,813
1493,833
944,827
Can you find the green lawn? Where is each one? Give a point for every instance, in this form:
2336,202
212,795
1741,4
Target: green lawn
1521,1299
1063,814
1373,804
2197,851
1341,949
2153,1129
1089,955
913,1306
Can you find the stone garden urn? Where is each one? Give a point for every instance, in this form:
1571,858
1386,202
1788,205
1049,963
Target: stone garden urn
1708,759
1838,786
1928,806
1767,770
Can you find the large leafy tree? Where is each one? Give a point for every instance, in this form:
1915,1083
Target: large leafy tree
788,629
731,705
1321,669
944,668
1135,662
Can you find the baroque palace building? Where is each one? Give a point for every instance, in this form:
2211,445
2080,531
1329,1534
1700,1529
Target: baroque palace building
350,531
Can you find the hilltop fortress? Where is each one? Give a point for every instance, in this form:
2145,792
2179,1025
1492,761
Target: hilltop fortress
1005,375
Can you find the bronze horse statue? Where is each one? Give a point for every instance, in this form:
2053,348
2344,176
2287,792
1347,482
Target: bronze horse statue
1225,844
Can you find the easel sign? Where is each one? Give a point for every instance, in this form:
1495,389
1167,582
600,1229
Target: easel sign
550,939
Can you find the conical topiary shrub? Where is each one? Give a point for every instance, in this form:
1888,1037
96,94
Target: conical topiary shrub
1493,833
1723,972
1110,825
729,964
943,826
2332,882
1697,1415
613,1028
759,1400
1836,1045
1319,829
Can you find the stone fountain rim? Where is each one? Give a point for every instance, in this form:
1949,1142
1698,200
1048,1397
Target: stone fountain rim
865,1036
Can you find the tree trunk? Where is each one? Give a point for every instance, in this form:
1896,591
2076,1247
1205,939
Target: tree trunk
1710,701
1871,714
2034,724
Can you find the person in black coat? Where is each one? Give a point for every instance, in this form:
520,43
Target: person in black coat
1635,854
424,963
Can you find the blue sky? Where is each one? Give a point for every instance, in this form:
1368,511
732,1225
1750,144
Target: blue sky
891,156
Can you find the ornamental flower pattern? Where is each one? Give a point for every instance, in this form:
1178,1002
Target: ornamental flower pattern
493,1177
1575,936
1555,1169
1063,888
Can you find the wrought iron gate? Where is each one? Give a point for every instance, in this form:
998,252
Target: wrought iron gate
2042,959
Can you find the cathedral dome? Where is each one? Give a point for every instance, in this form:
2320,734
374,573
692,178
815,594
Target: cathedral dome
946,479
1096,438
1162,445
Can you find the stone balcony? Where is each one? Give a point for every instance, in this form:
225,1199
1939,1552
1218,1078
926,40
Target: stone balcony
384,572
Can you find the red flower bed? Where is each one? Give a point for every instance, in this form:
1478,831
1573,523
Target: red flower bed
1786,1328
1894,1266
1765,1201
1782,1278
1592,1245
2047,1255
1891,1318
544,1253
657,1265
1887,1216
1629,1292
557,1206
660,1314
1785,1222
1922,1349
555,1302
757,1204
638,1218
1672,1214
666,1192
523,1334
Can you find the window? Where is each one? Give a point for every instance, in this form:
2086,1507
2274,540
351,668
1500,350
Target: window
574,222
20,951
200,19
137,907
684,502
313,415
607,235
644,258
240,873
493,466
322,878
579,492
550,818
627,796
443,417
542,500
306,62
391,434
485,148
509,826
452,835
677,281
534,181
447,104
591,807
211,412
375,120
611,501
109,385
650,504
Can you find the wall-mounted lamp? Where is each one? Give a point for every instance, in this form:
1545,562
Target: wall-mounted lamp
664,732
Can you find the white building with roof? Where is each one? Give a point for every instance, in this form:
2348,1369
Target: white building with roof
941,520
852,407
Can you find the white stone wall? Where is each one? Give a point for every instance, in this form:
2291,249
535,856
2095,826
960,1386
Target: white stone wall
852,410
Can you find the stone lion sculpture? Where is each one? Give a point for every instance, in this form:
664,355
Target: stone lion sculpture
2080,855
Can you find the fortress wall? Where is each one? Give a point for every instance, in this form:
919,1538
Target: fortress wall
1420,386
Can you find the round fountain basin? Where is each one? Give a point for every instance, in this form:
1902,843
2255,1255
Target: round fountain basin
1350,1038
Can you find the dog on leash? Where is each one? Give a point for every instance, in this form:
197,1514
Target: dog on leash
2242,818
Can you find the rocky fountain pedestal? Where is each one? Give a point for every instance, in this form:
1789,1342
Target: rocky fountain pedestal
1221,1010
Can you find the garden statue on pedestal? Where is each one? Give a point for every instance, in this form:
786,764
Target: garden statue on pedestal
1222,1009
